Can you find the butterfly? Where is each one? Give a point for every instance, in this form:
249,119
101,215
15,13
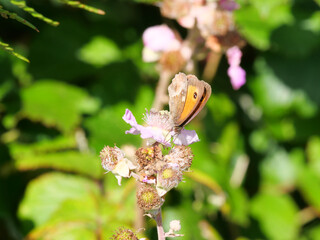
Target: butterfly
187,97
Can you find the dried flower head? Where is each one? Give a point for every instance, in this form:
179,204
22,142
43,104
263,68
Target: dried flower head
110,156
147,157
124,234
112,159
172,61
175,8
180,155
167,178
148,198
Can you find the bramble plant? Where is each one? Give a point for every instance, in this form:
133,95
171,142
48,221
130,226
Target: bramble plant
211,32
247,165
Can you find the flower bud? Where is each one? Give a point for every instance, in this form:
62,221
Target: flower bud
180,155
124,234
148,198
175,225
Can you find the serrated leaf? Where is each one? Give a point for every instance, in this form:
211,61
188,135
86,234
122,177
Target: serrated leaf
56,104
46,193
59,154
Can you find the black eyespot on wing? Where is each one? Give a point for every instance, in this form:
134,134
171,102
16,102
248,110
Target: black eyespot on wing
195,95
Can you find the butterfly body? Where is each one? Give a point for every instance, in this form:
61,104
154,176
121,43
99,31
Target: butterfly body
187,97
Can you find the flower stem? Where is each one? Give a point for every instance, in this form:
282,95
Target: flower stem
161,92
211,67
158,218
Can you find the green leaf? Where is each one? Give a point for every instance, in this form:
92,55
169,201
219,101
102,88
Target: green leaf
6,14
22,4
108,127
260,140
228,143
45,194
277,170
297,35
258,19
221,107
313,22
9,49
56,104
239,205
78,4
99,52
56,154
275,97
313,153
309,186
277,216
311,233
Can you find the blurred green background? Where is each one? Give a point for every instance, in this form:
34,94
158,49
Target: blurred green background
59,111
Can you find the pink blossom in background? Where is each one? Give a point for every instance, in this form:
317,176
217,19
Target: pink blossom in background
160,38
204,16
235,72
228,5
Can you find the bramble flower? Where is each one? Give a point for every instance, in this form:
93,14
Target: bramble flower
236,73
156,40
159,129
180,155
112,159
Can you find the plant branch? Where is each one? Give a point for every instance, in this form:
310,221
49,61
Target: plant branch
158,219
211,67
161,97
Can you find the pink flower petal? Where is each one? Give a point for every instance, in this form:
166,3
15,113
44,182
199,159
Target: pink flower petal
186,137
160,38
234,55
129,118
237,76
